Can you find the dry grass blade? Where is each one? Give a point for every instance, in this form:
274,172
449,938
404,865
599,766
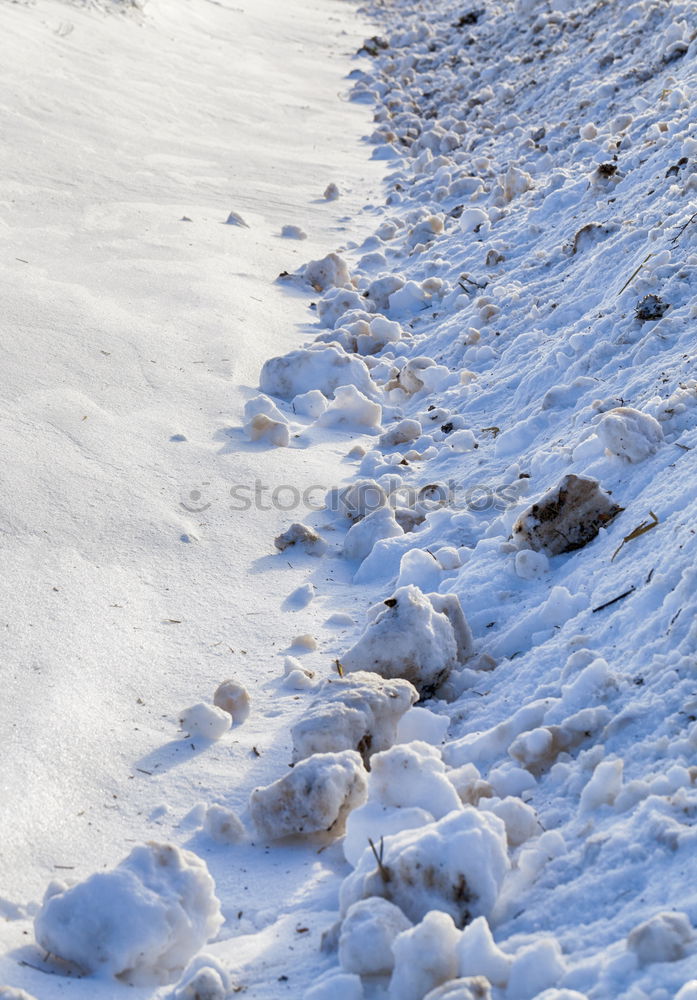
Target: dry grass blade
384,870
641,529
634,273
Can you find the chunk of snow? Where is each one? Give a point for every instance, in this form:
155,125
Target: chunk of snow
403,432
235,219
322,368
456,864
416,637
293,233
665,937
304,641
358,500
363,535
422,724
424,957
519,818
537,967
472,219
479,955
329,272
233,698
359,712
223,825
351,408
331,192
566,518
204,979
629,433
303,537
261,427
205,720
336,302
367,934
310,404
374,821
412,774
148,915
531,565
604,786
316,796
448,557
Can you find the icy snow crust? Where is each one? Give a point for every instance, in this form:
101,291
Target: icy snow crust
502,388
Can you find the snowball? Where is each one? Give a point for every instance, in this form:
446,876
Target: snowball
367,934
534,969
424,957
422,724
302,536
362,536
519,819
233,698
412,774
305,641
263,427
471,988
326,273
461,441
351,407
310,404
629,433
456,864
360,712
331,192
337,986
468,783
665,937
604,786
530,565
316,796
479,955
403,432
410,379
148,915
205,720
322,368
516,182
566,518
293,233
416,637
373,821
223,825
300,680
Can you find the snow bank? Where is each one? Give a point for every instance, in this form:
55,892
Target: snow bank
315,797
421,638
360,712
148,915
456,865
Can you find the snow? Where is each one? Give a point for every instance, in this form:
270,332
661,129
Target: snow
234,699
473,334
147,916
368,932
316,797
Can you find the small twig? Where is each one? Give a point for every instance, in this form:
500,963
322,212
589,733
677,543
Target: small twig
384,870
634,273
641,529
601,607
675,238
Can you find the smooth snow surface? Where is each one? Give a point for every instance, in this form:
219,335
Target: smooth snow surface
469,478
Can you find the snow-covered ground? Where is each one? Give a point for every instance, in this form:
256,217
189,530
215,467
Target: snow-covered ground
502,406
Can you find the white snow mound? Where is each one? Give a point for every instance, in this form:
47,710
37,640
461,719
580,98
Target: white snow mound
367,934
322,368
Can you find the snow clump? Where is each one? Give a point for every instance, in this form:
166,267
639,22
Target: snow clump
416,636
367,935
456,864
329,272
322,368
365,534
315,797
204,979
629,433
303,537
360,712
665,937
148,915
424,956
351,408
337,986
223,825
233,698
471,988
206,721
566,518
479,955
